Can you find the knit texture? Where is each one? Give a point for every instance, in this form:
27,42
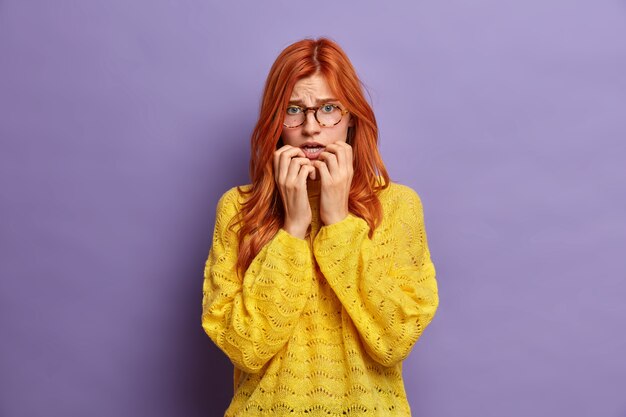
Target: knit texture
320,326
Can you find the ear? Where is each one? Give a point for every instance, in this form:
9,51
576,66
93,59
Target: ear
350,120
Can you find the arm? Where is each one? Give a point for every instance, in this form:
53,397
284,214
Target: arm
387,285
251,318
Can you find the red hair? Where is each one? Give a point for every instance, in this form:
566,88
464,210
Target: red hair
262,213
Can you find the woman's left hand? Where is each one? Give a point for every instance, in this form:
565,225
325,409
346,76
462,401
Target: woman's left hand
335,169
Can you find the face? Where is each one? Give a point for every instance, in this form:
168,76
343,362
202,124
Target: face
314,91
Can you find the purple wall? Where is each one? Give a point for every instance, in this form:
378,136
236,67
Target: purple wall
121,123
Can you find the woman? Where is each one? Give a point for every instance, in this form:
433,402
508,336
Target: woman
319,281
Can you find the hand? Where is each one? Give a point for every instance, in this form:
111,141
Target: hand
336,171
291,170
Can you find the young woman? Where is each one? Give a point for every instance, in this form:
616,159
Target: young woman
319,280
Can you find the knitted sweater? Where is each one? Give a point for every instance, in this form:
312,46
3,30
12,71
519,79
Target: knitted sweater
320,326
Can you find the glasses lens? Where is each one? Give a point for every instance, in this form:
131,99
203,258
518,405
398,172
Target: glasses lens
294,116
329,115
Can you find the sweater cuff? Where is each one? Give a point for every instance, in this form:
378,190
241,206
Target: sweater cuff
343,232
295,249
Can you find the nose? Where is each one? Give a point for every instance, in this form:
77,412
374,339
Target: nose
310,126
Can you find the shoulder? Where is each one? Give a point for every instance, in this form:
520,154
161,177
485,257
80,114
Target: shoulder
399,200
232,199
399,193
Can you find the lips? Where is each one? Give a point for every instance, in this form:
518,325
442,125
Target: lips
312,149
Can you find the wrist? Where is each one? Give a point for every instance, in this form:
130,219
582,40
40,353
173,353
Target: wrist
335,218
295,231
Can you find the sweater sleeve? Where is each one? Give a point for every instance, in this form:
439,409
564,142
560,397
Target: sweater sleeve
387,285
250,318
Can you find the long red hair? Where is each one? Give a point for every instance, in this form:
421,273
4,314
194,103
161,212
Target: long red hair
262,212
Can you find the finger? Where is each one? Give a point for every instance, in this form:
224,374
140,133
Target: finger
295,166
305,172
330,160
349,157
347,152
277,154
323,171
344,154
341,153
285,161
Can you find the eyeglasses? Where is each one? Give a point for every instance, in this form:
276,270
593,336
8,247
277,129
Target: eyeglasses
327,115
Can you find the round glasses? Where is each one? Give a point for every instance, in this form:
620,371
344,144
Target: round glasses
327,115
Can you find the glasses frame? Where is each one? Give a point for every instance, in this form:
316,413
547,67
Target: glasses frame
305,110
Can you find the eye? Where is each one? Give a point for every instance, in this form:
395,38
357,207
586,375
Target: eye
327,108
293,110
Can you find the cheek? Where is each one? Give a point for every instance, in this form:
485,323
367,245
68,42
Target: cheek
340,134
288,137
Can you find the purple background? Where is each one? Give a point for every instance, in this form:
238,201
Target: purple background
121,124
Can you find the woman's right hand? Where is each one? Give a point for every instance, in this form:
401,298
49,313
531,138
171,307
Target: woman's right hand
291,170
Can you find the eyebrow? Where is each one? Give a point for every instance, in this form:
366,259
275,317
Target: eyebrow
318,101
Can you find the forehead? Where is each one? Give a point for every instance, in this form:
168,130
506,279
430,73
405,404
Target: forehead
311,88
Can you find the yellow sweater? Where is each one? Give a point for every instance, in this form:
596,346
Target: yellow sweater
320,326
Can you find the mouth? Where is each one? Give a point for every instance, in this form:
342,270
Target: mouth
312,151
